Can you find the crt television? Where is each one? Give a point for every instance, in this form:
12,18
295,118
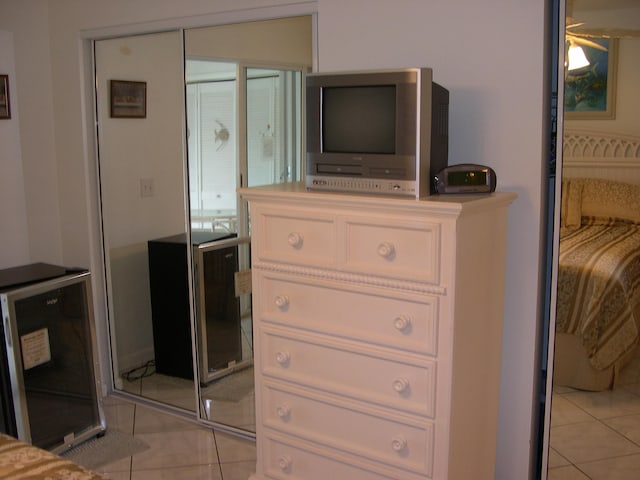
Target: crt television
383,131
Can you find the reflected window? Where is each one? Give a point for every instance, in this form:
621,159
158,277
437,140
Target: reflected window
273,136
273,126
211,131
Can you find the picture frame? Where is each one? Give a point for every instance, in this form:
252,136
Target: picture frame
5,103
128,99
590,92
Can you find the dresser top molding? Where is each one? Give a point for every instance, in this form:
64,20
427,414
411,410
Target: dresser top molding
434,204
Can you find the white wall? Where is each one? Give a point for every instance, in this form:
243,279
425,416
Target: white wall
253,42
34,145
130,150
496,118
148,148
14,234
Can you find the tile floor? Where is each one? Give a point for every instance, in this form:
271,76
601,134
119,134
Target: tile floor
596,435
179,449
178,392
235,408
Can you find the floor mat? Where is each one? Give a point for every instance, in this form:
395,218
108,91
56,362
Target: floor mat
112,446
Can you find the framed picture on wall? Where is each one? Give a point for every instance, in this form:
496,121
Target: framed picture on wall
5,106
590,91
128,99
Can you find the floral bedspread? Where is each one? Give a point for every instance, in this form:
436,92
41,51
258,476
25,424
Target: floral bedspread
19,460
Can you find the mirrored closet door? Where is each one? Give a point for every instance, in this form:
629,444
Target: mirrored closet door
143,200
222,108
593,429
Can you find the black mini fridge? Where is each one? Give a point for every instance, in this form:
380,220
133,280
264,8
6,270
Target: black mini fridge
48,362
218,330
221,282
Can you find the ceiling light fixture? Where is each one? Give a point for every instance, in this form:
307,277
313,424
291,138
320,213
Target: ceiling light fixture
577,58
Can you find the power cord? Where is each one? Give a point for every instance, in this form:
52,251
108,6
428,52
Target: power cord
143,371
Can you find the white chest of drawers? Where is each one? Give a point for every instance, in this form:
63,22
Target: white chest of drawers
377,334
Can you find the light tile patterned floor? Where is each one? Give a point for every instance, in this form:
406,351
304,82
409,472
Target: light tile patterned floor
179,449
596,435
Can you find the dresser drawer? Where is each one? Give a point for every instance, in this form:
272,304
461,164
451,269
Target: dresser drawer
402,249
285,458
375,434
398,247
308,239
399,320
349,369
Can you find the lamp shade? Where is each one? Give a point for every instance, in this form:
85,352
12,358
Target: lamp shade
577,58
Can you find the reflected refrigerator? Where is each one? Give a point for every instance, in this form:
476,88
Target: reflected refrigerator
222,291
217,308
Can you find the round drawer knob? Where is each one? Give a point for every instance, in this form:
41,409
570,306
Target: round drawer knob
398,443
295,239
401,385
283,411
402,323
386,249
284,462
282,301
283,358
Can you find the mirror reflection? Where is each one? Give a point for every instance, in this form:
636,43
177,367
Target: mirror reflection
212,138
143,195
176,237
244,119
274,124
596,370
272,155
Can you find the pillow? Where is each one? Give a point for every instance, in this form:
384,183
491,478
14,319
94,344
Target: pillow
610,199
571,206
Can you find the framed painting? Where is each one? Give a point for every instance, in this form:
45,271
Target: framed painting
128,99
5,105
590,91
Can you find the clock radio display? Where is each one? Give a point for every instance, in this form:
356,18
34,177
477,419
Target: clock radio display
467,178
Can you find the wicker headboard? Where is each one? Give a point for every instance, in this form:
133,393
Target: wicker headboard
601,155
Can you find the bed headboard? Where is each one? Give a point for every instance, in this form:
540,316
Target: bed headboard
601,155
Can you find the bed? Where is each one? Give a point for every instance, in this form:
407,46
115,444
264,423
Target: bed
19,460
598,296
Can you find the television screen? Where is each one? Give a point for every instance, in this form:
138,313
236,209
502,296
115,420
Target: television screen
359,119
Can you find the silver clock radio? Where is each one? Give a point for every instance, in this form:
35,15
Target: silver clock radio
465,178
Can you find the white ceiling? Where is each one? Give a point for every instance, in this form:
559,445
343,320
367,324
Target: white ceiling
585,5
622,14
